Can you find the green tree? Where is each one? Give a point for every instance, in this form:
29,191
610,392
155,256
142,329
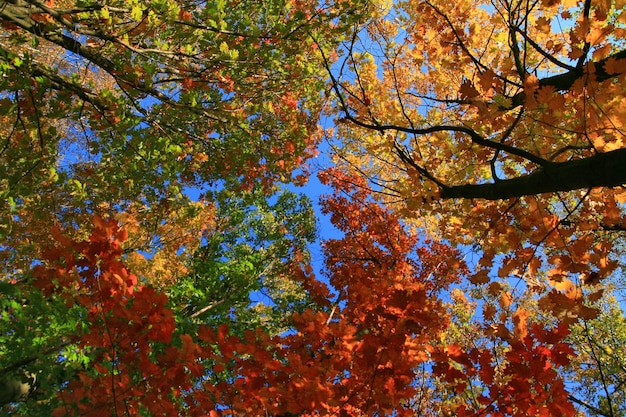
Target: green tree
120,106
118,110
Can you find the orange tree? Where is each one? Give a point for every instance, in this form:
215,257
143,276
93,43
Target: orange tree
389,334
500,126
503,120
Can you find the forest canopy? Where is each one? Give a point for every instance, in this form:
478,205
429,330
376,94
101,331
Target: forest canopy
158,246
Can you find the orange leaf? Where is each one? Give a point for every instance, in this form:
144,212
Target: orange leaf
520,320
494,289
506,299
467,90
481,277
489,311
487,80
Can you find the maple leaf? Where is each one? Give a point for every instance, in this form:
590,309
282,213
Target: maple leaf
468,91
520,318
613,66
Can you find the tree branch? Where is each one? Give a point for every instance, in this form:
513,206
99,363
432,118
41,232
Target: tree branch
587,406
563,82
601,170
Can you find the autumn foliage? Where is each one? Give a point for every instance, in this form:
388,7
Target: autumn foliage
358,352
127,329
509,137
157,262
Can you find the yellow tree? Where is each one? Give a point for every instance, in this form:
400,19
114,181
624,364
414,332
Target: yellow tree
495,124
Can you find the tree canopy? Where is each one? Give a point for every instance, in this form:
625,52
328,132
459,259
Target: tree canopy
496,124
156,247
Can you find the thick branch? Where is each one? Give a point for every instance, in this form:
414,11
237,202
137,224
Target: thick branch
565,81
601,170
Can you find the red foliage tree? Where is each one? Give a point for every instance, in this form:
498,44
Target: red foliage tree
382,320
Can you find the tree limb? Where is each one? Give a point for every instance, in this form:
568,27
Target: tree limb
601,170
565,81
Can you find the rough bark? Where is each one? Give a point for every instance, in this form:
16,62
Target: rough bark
601,170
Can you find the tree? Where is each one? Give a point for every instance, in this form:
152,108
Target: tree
137,350
494,124
54,321
359,348
119,107
498,126
117,110
122,295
